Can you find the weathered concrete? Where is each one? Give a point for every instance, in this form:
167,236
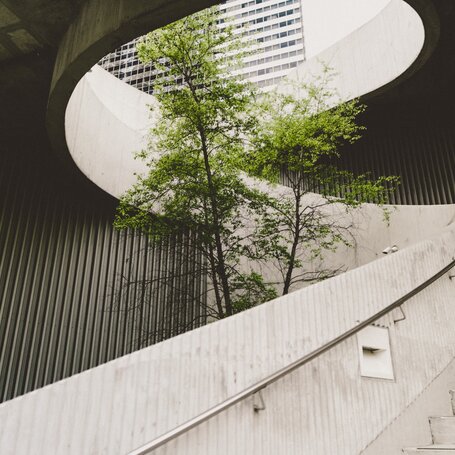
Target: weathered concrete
411,428
30,26
381,52
127,402
107,121
100,27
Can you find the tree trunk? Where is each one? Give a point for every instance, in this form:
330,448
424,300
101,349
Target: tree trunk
295,243
221,266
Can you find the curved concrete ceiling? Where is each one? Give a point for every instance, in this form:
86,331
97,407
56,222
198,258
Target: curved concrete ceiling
100,27
27,27
375,57
106,120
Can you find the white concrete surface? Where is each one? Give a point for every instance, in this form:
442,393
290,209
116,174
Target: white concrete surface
327,21
373,55
125,403
411,428
107,121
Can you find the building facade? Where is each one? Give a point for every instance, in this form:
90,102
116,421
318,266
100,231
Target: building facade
274,27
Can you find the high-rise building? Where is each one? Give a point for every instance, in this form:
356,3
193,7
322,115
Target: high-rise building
274,26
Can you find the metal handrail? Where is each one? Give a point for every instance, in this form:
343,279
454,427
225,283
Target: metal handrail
212,412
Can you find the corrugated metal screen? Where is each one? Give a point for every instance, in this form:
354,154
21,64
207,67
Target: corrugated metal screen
70,286
424,159
74,292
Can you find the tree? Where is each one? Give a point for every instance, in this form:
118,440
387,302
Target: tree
207,144
196,156
299,142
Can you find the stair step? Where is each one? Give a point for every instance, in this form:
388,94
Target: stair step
443,429
437,449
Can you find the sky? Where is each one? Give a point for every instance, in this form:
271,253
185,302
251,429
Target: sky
327,21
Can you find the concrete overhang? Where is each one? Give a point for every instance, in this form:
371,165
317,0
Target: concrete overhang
100,27
371,61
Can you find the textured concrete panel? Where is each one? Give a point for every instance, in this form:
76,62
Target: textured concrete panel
373,56
411,428
4,53
7,17
443,429
121,405
23,40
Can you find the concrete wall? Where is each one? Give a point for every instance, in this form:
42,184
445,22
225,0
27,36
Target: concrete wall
107,121
374,55
327,22
411,428
407,226
321,408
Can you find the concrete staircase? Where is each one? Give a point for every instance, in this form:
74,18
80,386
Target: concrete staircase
442,433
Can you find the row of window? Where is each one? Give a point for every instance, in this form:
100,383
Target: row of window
130,45
145,83
138,68
280,35
256,2
282,45
260,20
130,60
121,52
240,5
272,27
265,9
124,62
272,69
270,59
271,81
118,70
275,47
120,55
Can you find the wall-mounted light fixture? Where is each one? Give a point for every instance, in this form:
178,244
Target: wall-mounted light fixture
374,353
390,249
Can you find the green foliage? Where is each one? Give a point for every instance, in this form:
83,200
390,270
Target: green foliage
250,290
299,141
208,138
196,156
